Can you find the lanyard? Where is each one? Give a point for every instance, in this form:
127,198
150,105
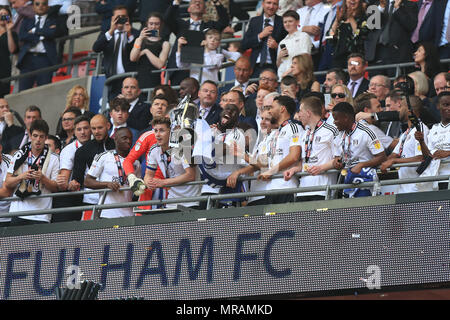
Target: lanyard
347,153
119,168
402,141
166,158
309,140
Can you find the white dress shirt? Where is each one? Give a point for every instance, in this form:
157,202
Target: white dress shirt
211,58
120,67
316,17
39,47
296,43
272,23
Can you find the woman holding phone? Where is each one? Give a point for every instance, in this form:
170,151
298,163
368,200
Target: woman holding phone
8,46
150,52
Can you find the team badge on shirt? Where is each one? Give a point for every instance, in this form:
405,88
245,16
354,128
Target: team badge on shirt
137,147
377,144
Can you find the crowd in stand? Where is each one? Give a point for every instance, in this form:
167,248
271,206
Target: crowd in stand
286,122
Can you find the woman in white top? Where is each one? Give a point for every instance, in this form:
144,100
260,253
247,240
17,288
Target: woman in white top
295,43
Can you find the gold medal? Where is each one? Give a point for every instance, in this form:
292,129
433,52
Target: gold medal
344,172
305,167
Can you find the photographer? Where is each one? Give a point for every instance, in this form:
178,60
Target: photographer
8,46
116,45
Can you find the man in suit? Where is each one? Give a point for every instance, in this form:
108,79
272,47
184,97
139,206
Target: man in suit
179,26
15,137
262,36
139,113
116,45
209,110
356,65
391,44
106,8
38,49
242,71
431,22
325,46
24,9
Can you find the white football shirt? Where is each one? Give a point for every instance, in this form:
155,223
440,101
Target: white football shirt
317,149
279,143
408,147
105,169
4,205
439,139
173,165
40,203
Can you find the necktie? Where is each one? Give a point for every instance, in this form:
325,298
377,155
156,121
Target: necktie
117,47
308,16
195,26
113,133
384,38
202,113
264,48
423,10
353,85
38,23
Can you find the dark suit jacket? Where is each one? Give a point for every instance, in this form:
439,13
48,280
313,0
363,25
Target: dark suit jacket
363,87
107,47
106,10
179,26
251,41
29,40
214,114
140,116
403,24
432,25
11,138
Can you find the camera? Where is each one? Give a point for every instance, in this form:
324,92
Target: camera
282,46
5,18
122,20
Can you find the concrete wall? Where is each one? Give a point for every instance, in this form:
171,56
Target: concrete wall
51,99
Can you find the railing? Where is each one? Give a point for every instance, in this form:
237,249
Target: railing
96,208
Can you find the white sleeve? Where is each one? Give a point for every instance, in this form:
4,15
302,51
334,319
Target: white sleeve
66,159
231,55
152,163
179,63
96,168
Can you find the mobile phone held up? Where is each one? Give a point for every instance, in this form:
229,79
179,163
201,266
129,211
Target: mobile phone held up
282,46
5,18
152,33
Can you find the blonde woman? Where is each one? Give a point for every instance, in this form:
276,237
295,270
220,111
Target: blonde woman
302,69
339,93
76,97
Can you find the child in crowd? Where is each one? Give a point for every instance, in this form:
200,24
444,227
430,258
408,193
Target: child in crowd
211,57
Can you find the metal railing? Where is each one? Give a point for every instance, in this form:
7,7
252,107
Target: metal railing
96,208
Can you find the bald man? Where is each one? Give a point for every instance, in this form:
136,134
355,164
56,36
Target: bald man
86,153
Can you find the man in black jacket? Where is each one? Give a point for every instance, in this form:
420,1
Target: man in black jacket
392,43
116,45
139,112
262,36
86,153
179,26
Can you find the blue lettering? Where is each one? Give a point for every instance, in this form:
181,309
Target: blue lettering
11,275
267,263
239,256
125,266
160,269
37,273
185,249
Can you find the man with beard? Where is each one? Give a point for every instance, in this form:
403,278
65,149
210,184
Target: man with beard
284,148
220,162
106,172
257,159
85,155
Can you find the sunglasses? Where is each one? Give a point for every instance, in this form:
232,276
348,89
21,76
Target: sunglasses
340,95
37,4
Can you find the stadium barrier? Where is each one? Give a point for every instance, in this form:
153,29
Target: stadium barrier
96,208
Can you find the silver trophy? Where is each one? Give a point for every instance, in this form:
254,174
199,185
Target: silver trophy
183,119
